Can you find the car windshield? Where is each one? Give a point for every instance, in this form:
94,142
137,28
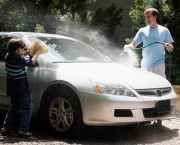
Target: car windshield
71,50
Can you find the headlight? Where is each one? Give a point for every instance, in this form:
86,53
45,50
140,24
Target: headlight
103,87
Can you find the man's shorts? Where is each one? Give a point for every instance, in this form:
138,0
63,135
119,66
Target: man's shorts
160,70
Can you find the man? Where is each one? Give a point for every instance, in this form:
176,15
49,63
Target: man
153,55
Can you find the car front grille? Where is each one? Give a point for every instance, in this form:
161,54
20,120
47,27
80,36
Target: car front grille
154,92
162,108
152,112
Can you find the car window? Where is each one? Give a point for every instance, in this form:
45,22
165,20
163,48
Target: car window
75,50
3,47
63,49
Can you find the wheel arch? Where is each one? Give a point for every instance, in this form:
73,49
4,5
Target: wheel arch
58,85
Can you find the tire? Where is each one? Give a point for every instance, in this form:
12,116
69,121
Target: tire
61,112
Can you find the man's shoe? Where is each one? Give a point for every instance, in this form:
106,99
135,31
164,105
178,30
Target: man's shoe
157,122
23,133
4,131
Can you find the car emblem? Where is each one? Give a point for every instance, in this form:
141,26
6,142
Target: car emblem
158,92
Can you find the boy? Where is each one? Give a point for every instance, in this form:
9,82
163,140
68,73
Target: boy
18,86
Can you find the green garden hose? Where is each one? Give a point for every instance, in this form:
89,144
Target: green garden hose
168,51
149,45
177,114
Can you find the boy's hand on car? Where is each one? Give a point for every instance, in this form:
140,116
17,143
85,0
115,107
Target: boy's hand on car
38,49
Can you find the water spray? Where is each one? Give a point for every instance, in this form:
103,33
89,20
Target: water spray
126,55
167,49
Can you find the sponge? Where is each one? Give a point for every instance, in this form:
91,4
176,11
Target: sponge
40,45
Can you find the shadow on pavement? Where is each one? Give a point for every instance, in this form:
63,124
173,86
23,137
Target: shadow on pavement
147,134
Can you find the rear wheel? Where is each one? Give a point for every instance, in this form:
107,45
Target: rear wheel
61,111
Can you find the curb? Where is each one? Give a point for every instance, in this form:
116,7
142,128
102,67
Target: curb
178,96
176,89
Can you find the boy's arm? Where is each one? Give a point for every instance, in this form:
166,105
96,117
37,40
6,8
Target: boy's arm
35,57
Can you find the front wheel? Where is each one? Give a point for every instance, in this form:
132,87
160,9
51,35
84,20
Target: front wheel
61,112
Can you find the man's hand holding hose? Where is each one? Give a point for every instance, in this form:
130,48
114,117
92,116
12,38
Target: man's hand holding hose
130,46
169,47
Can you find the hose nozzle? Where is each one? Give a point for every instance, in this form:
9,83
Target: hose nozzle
127,47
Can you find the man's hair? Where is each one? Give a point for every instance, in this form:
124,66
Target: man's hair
153,11
14,44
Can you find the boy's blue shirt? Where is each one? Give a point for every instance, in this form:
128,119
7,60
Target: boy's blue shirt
17,82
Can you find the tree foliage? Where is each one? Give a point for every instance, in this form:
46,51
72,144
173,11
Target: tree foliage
137,15
108,19
67,17
66,6
24,15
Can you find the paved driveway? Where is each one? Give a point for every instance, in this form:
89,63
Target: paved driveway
168,133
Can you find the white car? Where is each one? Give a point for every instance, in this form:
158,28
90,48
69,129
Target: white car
74,85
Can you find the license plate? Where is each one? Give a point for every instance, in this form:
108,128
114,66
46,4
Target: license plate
163,106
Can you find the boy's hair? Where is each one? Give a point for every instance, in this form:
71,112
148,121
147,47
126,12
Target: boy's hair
14,44
153,11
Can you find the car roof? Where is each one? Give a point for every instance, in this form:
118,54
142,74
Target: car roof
28,34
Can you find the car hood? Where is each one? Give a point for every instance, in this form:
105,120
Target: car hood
117,73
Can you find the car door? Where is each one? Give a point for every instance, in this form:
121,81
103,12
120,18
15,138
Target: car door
4,99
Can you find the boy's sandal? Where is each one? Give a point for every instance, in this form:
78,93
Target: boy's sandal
4,131
23,133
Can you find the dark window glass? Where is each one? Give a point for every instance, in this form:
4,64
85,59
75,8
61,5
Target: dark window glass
3,47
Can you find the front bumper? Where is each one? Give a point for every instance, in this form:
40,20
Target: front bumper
103,110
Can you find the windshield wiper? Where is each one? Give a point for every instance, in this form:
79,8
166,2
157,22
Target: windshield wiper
61,62
76,61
